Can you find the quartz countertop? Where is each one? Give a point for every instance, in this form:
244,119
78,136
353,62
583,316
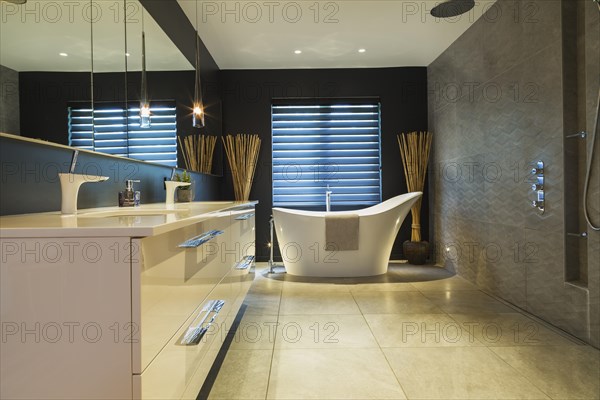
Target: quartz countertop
145,220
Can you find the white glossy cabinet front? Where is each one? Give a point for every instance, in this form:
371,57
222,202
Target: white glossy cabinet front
65,307
104,317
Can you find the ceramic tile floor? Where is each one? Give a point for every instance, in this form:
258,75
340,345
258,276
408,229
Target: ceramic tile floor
439,339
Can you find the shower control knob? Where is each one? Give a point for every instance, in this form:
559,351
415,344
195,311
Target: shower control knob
537,171
538,204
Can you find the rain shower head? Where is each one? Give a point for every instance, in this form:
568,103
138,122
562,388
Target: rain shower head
452,8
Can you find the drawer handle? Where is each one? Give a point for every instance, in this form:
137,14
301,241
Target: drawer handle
196,331
245,217
245,262
241,208
200,239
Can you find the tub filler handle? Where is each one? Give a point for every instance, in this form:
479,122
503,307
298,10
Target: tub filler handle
202,323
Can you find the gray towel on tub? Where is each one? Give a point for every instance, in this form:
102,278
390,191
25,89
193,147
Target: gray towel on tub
341,232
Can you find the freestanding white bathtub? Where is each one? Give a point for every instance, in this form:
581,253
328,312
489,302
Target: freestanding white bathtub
301,238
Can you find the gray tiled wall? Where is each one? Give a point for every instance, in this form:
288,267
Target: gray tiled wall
9,101
495,107
592,82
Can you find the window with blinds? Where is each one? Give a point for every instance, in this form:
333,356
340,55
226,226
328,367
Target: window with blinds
110,129
316,145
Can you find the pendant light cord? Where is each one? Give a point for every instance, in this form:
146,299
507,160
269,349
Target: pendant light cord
198,107
197,91
144,93
92,78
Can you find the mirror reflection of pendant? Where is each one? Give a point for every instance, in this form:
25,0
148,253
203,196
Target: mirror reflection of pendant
198,117
145,116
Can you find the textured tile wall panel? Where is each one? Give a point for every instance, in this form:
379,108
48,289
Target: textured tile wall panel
508,115
592,32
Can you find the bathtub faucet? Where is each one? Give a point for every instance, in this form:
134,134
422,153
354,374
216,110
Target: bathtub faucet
328,193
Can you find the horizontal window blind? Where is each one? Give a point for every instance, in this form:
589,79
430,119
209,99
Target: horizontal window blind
328,144
81,127
110,129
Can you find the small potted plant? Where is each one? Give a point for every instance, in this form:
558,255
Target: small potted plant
184,194
414,149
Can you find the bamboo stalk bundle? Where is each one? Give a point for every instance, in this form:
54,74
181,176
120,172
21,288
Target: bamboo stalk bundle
198,152
414,150
242,153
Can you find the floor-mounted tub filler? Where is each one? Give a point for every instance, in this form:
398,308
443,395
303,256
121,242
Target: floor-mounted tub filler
341,243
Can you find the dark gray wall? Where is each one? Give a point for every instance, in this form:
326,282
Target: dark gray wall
247,98
28,176
496,105
55,90
9,101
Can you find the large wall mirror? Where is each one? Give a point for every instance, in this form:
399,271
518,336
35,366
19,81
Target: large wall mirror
61,60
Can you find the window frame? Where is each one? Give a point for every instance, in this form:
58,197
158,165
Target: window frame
328,102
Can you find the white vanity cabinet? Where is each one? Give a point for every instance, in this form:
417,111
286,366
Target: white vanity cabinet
94,317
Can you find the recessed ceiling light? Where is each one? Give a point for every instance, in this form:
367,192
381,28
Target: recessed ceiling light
361,50
298,51
63,54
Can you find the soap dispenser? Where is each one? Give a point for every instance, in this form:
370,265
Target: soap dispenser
129,197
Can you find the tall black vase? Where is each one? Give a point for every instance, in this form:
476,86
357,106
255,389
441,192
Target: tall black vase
416,252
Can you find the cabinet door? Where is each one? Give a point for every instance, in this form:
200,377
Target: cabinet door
172,281
65,308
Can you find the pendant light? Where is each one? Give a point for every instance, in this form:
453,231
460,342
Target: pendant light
198,106
144,103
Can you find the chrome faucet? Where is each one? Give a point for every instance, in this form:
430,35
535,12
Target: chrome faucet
328,193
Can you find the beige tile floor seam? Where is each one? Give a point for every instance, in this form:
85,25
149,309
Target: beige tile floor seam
236,390
332,374
545,385
274,342
521,336
293,372
527,378
511,329
542,369
419,330
521,374
458,373
386,359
